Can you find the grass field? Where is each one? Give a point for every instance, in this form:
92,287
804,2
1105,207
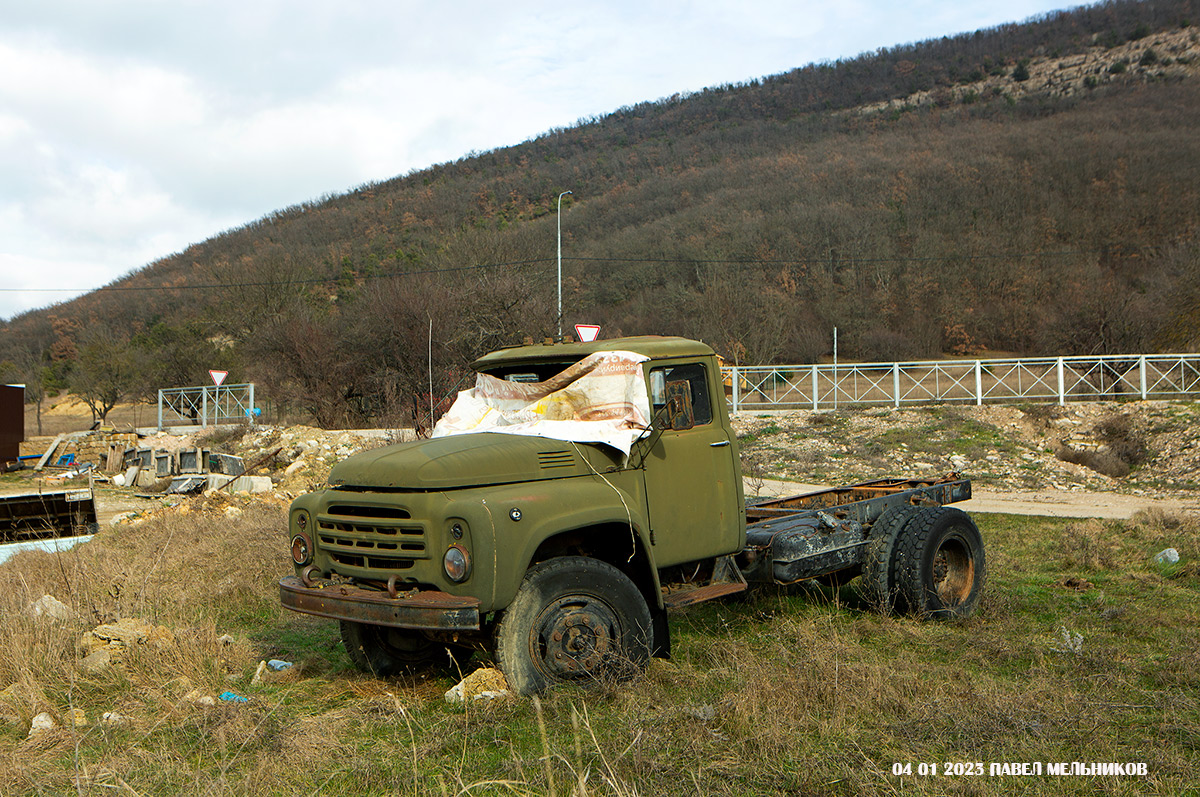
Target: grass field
1084,649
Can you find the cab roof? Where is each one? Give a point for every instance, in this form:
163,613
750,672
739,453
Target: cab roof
652,346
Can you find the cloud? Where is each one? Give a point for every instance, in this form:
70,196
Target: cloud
129,129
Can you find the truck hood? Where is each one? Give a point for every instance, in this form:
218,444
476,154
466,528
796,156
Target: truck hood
471,460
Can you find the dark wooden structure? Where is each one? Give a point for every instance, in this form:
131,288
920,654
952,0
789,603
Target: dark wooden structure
12,422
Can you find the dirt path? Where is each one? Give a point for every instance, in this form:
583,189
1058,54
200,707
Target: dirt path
1050,503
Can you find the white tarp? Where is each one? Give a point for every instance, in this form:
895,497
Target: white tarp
600,399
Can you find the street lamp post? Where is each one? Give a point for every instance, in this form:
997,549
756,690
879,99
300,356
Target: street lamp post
560,196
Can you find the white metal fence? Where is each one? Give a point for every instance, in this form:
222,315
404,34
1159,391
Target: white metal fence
206,404
1060,379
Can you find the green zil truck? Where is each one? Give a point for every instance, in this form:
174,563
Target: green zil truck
564,560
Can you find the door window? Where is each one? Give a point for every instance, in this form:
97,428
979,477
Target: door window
689,381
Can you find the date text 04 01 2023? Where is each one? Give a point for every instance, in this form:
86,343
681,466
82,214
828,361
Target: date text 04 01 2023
1034,769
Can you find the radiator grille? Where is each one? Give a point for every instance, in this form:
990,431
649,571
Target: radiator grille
373,537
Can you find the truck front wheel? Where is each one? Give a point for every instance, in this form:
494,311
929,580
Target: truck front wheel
384,651
940,564
573,618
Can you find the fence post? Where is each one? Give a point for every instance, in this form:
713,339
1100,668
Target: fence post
896,383
1142,374
1062,392
814,385
978,384
160,399
735,390
250,417
204,407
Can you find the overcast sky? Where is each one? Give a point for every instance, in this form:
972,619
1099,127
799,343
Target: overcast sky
130,129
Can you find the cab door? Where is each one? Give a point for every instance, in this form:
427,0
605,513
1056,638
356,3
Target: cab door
693,483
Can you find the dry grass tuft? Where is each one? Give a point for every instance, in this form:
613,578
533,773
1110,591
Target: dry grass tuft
1162,521
1088,545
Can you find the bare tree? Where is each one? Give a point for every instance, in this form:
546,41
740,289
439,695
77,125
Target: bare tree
106,371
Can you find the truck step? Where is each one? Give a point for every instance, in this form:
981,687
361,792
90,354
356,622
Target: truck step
727,579
677,600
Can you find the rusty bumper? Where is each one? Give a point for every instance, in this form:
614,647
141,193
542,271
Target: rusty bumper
428,610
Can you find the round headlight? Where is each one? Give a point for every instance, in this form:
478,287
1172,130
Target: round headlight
301,549
457,563
302,520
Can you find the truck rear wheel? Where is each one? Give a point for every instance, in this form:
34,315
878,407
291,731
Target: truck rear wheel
573,618
878,583
384,651
941,566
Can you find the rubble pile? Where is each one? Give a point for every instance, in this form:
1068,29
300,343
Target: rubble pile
1001,447
95,446
109,643
214,503
310,453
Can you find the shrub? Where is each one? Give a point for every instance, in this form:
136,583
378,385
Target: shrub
1149,58
1041,415
1021,71
1119,67
1124,447
1125,441
1100,461
1088,545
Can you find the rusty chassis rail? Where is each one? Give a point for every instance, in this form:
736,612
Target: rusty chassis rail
428,610
824,532
866,501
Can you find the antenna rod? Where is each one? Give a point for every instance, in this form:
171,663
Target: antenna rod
431,374
560,196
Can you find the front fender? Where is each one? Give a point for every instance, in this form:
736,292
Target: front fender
549,508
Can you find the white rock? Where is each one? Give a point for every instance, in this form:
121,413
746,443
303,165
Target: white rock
41,723
97,661
258,674
49,607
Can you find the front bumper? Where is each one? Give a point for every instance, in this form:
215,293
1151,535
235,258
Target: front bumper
427,610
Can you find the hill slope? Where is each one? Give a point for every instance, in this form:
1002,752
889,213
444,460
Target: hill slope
1030,188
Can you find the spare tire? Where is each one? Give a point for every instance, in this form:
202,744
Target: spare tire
940,563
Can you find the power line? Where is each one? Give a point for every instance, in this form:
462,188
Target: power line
838,258
271,283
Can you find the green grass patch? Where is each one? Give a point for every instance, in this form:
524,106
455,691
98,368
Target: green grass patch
1083,649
